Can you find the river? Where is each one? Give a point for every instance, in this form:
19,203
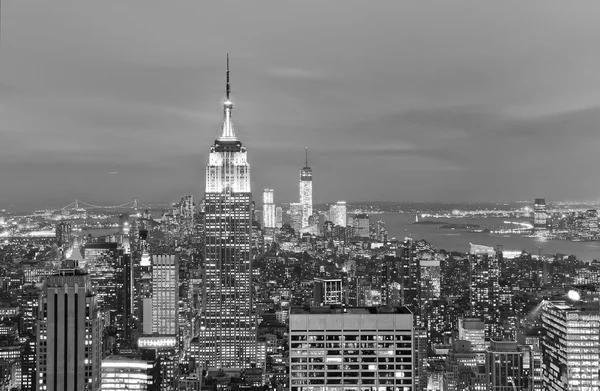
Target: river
399,225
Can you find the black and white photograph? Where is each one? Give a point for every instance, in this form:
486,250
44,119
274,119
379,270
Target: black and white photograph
272,195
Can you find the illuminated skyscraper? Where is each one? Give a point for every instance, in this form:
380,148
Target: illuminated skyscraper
228,331
296,217
165,294
485,288
472,330
63,234
337,213
278,217
129,373
306,192
69,345
361,226
268,209
539,214
351,348
570,346
505,366
409,276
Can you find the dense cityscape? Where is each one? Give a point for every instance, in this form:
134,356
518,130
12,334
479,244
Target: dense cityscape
237,290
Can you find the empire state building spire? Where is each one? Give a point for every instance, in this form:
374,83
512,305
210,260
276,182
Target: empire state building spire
227,133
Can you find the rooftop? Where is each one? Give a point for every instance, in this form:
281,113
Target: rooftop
105,245
334,310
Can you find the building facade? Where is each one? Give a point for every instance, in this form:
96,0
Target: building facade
485,288
570,346
505,370
228,330
165,294
269,217
328,291
69,344
540,215
337,213
361,227
306,193
351,348
129,373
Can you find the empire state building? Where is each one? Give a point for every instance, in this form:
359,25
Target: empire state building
227,336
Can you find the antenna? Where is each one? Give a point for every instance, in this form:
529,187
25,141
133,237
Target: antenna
306,162
228,87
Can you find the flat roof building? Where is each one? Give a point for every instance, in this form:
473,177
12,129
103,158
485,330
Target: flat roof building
351,348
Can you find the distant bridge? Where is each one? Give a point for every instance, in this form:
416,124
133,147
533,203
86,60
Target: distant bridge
78,204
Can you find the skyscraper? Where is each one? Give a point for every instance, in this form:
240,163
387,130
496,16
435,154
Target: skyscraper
328,291
129,373
228,331
485,287
63,234
165,294
505,362
361,226
409,275
268,209
296,217
337,213
472,330
306,192
69,344
278,217
539,214
570,346
351,348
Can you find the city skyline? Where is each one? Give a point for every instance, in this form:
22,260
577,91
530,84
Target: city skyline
93,108
170,248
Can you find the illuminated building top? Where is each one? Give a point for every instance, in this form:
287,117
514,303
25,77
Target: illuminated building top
306,193
228,167
227,335
306,172
227,133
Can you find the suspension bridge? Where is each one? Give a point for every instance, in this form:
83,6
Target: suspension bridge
78,205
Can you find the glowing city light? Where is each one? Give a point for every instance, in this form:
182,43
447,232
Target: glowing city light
574,295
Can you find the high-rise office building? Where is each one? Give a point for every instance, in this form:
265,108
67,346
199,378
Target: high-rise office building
505,363
361,226
485,287
532,361
472,330
420,358
539,214
269,218
590,224
296,217
228,330
165,294
409,275
571,346
69,346
337,213
130,373
464,369
278,217
63,234
351,348
328,291
306,192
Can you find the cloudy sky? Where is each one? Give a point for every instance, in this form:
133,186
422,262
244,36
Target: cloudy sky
396,100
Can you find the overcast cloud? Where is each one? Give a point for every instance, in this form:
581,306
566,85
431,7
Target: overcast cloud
396,100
